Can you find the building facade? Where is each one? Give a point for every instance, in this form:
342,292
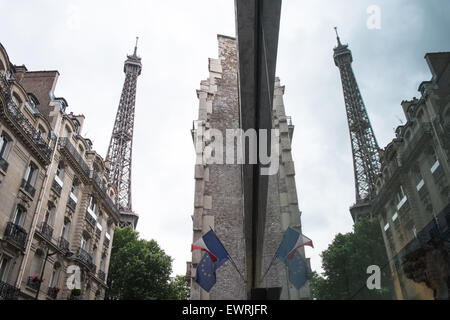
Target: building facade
218,201
413,190
57,210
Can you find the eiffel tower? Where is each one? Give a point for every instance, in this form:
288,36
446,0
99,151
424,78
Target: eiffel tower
120,148
365,150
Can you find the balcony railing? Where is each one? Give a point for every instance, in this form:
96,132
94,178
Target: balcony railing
71,204
56,187
86,258
63,244
16,234
3,164
46,231
98,232
90,218
22,122
65,144
28,188
8,292
101,275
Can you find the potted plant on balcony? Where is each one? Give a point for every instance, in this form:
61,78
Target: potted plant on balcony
35,279
75,294
53,291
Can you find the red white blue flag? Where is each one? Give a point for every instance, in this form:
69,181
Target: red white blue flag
212,245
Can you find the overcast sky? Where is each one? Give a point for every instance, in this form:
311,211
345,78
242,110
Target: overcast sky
87,42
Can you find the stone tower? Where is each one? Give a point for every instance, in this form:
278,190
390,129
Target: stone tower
121,145
218,202
365,150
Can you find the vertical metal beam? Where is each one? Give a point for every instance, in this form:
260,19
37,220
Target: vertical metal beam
257,24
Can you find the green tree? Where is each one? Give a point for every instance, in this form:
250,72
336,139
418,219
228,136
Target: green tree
139,269
179,288
345,265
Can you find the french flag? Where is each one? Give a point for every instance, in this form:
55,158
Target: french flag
212,245
302,240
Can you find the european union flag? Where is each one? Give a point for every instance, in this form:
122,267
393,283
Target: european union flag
206,273
297,267
298,270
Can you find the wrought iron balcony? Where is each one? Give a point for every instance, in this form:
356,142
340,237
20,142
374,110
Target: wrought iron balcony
66,146
63,244
101,275
8,292
52,292
3,164
28,188
23,125
90,218
46,231
71,204
98,232
33,282
86,258
56,187
16,234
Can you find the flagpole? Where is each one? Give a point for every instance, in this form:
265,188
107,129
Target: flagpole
228,255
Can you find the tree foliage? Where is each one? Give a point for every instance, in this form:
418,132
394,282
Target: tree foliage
139,269
179,288
345,265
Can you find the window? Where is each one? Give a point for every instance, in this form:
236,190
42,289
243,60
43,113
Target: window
16,99
54,278
59,170
74,188
65,229
42,132
421,117
5,144
31,174
94,254
102,263
59,174
92,203
66,132
19,216
434,161
419,180
49,214
36,263
400,197
4,268
85,242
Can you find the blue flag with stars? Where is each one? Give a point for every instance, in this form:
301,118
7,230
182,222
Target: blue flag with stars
297,266
206,273
298,270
